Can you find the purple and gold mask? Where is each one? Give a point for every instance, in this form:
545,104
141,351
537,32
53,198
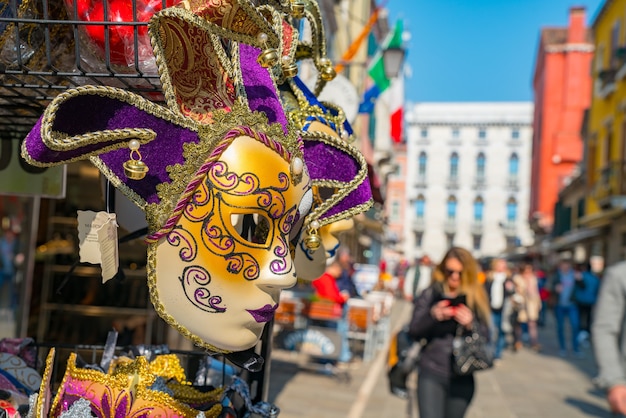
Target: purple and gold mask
226,181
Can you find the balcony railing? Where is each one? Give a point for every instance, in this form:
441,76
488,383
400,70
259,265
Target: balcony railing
480,183
512,183
605,83
453,182
509,228
477,228
449,226
419,224
421,182
610,188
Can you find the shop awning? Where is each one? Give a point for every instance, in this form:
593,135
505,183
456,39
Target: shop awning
570,238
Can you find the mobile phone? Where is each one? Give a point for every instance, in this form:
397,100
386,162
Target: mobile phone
456,301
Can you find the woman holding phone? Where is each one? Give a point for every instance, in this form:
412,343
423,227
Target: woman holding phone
454,299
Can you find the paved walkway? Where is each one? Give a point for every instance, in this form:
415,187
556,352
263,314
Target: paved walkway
524,384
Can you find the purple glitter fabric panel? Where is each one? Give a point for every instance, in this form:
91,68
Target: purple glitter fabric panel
329,163
360,195
84,114
262,95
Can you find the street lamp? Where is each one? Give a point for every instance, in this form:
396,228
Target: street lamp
393,58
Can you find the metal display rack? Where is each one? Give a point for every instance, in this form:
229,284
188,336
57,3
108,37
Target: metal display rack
44,50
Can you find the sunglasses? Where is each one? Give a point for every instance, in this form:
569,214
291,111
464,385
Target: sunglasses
450,272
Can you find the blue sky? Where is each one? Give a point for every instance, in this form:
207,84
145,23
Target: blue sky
477,50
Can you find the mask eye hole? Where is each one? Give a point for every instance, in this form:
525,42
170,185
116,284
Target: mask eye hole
252,227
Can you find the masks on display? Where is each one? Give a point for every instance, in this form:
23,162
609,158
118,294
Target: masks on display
221,172
222,180
131,388
338,170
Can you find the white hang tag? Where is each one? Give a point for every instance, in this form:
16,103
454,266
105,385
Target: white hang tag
88,246
97,236
107,237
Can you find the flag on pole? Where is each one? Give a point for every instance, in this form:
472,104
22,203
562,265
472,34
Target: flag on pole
354,47
369,99
377,68
396,109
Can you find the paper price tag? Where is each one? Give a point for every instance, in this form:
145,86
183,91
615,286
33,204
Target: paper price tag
97,236
107,236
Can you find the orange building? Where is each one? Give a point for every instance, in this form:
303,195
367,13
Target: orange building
562,85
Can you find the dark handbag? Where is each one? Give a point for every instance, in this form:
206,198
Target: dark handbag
401,361
471,351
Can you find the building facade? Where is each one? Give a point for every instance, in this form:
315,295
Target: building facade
467,178
604,221
562,91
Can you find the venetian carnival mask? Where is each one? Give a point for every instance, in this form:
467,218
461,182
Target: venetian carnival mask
225,184
338,170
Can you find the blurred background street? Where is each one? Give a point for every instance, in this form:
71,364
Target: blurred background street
523,384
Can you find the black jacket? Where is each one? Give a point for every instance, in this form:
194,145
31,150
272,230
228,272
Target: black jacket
436,355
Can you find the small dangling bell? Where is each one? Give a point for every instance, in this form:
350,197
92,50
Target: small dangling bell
290,68
268,58
135,169
297,9
328,73
313,241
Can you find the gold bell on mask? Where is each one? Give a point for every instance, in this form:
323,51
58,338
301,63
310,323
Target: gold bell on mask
313,240
135,168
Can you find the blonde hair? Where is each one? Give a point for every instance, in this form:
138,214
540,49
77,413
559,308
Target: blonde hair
470,286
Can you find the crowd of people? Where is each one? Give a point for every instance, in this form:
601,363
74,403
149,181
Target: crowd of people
509,301
520,296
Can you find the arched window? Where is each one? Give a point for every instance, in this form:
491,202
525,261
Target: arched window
480,165
420,204
513,165
511,210
454,165
479,205
451,207
421,164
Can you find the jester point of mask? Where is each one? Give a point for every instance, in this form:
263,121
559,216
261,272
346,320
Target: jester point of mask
226,184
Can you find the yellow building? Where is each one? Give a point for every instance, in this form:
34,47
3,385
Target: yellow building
605,139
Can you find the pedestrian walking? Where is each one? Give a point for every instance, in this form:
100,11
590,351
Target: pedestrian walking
585,295
528,306
499,286
417,278
608,335
454,299
563,286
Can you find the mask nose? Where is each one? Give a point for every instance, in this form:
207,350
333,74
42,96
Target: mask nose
279,272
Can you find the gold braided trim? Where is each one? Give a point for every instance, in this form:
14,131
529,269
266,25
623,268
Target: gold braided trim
340,120
305,109
234,28
349,213
190,395
220,59
313,15
288,45
196,155
342,191
60,141
160,309
121,380
40,405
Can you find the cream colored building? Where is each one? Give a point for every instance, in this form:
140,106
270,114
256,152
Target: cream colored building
467,178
